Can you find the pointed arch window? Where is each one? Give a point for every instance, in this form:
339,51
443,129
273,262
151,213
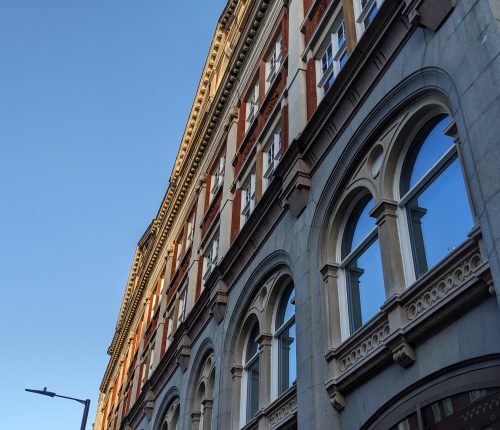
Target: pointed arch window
434,196
362,265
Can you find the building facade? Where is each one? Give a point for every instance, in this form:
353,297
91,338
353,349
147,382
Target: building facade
327,253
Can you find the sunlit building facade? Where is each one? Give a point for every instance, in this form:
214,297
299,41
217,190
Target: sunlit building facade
327,252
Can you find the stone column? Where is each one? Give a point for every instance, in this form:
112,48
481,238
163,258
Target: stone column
330,274
195,420
390,249
236,374
207,406
265,344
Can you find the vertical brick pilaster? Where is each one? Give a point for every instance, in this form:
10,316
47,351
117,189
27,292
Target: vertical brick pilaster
235,222
312,101
284,34
350,25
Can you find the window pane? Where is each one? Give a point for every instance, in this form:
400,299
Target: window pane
464,411
425,155
253,390
365,283
287,358
286,308
410,423
439,218
358,229
252,346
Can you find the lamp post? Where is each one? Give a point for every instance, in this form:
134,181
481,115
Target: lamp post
86,403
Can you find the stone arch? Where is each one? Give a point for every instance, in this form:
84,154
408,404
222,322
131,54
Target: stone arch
168,419
249,309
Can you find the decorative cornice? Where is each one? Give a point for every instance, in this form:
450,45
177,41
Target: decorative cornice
197,136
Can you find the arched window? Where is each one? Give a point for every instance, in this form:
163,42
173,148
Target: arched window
286,340
434,196
252,372
362,265
201,417
171,417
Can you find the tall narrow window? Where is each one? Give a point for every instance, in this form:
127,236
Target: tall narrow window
252,106
190,230
181,307
273,62
362,264
365,11
286,340
217,177
247,197
434,196
333,56
211,257
271,156
252,373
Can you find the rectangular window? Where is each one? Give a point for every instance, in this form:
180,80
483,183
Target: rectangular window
170,328
180,250
252,105
332,58
271,156
151,356
181,308
190,231
211,257
273,62
365,12
247,197
217,177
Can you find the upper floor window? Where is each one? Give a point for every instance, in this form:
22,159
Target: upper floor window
190,230
210,257
432,187
217,178
251,368
151,362
252,104
271,156
333,57
362,265
273,62
181,305
286,340
248,197
180,250
365,11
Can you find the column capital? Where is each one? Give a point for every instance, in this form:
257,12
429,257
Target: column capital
384,208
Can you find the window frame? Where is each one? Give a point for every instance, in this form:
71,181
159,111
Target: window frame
276,55
252,104
274,143
249,185
217,177
338,51
248,364
210,259
421,130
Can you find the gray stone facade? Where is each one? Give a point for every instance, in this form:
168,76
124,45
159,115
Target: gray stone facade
434,337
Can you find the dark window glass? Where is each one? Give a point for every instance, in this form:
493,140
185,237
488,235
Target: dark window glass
423,156
410,423
473,410
365,281
439,215
365,284
287,345
371,15
252,373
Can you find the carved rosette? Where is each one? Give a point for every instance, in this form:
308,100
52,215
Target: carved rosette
443,287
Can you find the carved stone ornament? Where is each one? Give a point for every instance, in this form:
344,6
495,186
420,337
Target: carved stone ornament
336,398
218,307
184,353
285,411
404,355
149,405
443,287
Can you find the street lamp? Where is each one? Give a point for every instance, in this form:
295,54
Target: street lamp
44,392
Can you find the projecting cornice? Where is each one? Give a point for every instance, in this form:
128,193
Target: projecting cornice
197,136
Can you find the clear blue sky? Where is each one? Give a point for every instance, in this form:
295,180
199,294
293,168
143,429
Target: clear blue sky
94,96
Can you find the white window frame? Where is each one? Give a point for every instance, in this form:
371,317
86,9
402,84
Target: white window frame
181,307
248,196
271,156
190,230
217,178
273,62
252,105
151,357
170,327
210,257
361,13
332,54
